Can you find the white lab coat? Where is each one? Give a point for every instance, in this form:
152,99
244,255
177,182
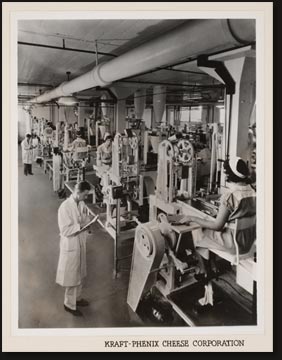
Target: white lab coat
27,152
72,260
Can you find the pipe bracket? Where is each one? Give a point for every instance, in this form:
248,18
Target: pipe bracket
220,69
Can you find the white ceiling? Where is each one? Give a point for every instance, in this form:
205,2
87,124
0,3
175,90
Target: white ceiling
39,66
49,66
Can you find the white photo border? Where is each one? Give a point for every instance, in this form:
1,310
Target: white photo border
257,338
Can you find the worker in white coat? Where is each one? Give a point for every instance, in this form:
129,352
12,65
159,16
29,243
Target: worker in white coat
27,154
71,271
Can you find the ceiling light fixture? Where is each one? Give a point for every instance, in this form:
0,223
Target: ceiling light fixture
68,100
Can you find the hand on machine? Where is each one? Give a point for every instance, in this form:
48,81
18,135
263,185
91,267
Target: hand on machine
179,219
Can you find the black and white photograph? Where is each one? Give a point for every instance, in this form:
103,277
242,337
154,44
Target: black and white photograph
137,199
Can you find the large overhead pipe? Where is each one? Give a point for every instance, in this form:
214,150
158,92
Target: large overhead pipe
188,40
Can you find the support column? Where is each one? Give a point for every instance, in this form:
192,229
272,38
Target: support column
57,134
104,105
27,122
61,115
205,115
88,130
139,103
243,72
176,120
237,70
159,98
121,93
237,66
120,116
51,115
80,119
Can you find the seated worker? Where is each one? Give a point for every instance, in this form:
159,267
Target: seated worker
239,201
77,143
104,153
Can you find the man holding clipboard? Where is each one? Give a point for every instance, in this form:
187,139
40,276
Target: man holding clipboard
73,223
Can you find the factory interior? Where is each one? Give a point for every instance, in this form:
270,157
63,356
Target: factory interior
147,112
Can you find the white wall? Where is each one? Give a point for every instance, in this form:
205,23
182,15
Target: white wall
41,112
24,117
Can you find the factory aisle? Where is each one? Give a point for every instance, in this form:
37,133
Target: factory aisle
40,298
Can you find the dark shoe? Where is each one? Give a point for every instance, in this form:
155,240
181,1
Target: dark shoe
73,312
203,279
31,174
206,278
201,309
82,302
200,277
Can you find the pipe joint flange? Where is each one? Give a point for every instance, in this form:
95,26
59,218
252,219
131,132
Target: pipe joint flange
96,74
60,89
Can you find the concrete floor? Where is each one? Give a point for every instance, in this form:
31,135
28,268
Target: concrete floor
40,298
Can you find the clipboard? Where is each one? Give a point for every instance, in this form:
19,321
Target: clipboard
90,223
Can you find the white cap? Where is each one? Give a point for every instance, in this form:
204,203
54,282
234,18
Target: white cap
106,135
233,162
172,138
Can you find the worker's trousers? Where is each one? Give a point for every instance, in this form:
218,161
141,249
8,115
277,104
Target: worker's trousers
72,295
27,169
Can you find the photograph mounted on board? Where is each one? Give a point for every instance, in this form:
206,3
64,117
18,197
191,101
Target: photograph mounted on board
141,213
179,97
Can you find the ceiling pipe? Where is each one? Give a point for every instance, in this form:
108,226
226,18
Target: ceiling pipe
190,59
193,38
66,48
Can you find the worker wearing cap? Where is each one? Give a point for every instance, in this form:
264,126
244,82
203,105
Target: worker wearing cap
238,201
27,154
